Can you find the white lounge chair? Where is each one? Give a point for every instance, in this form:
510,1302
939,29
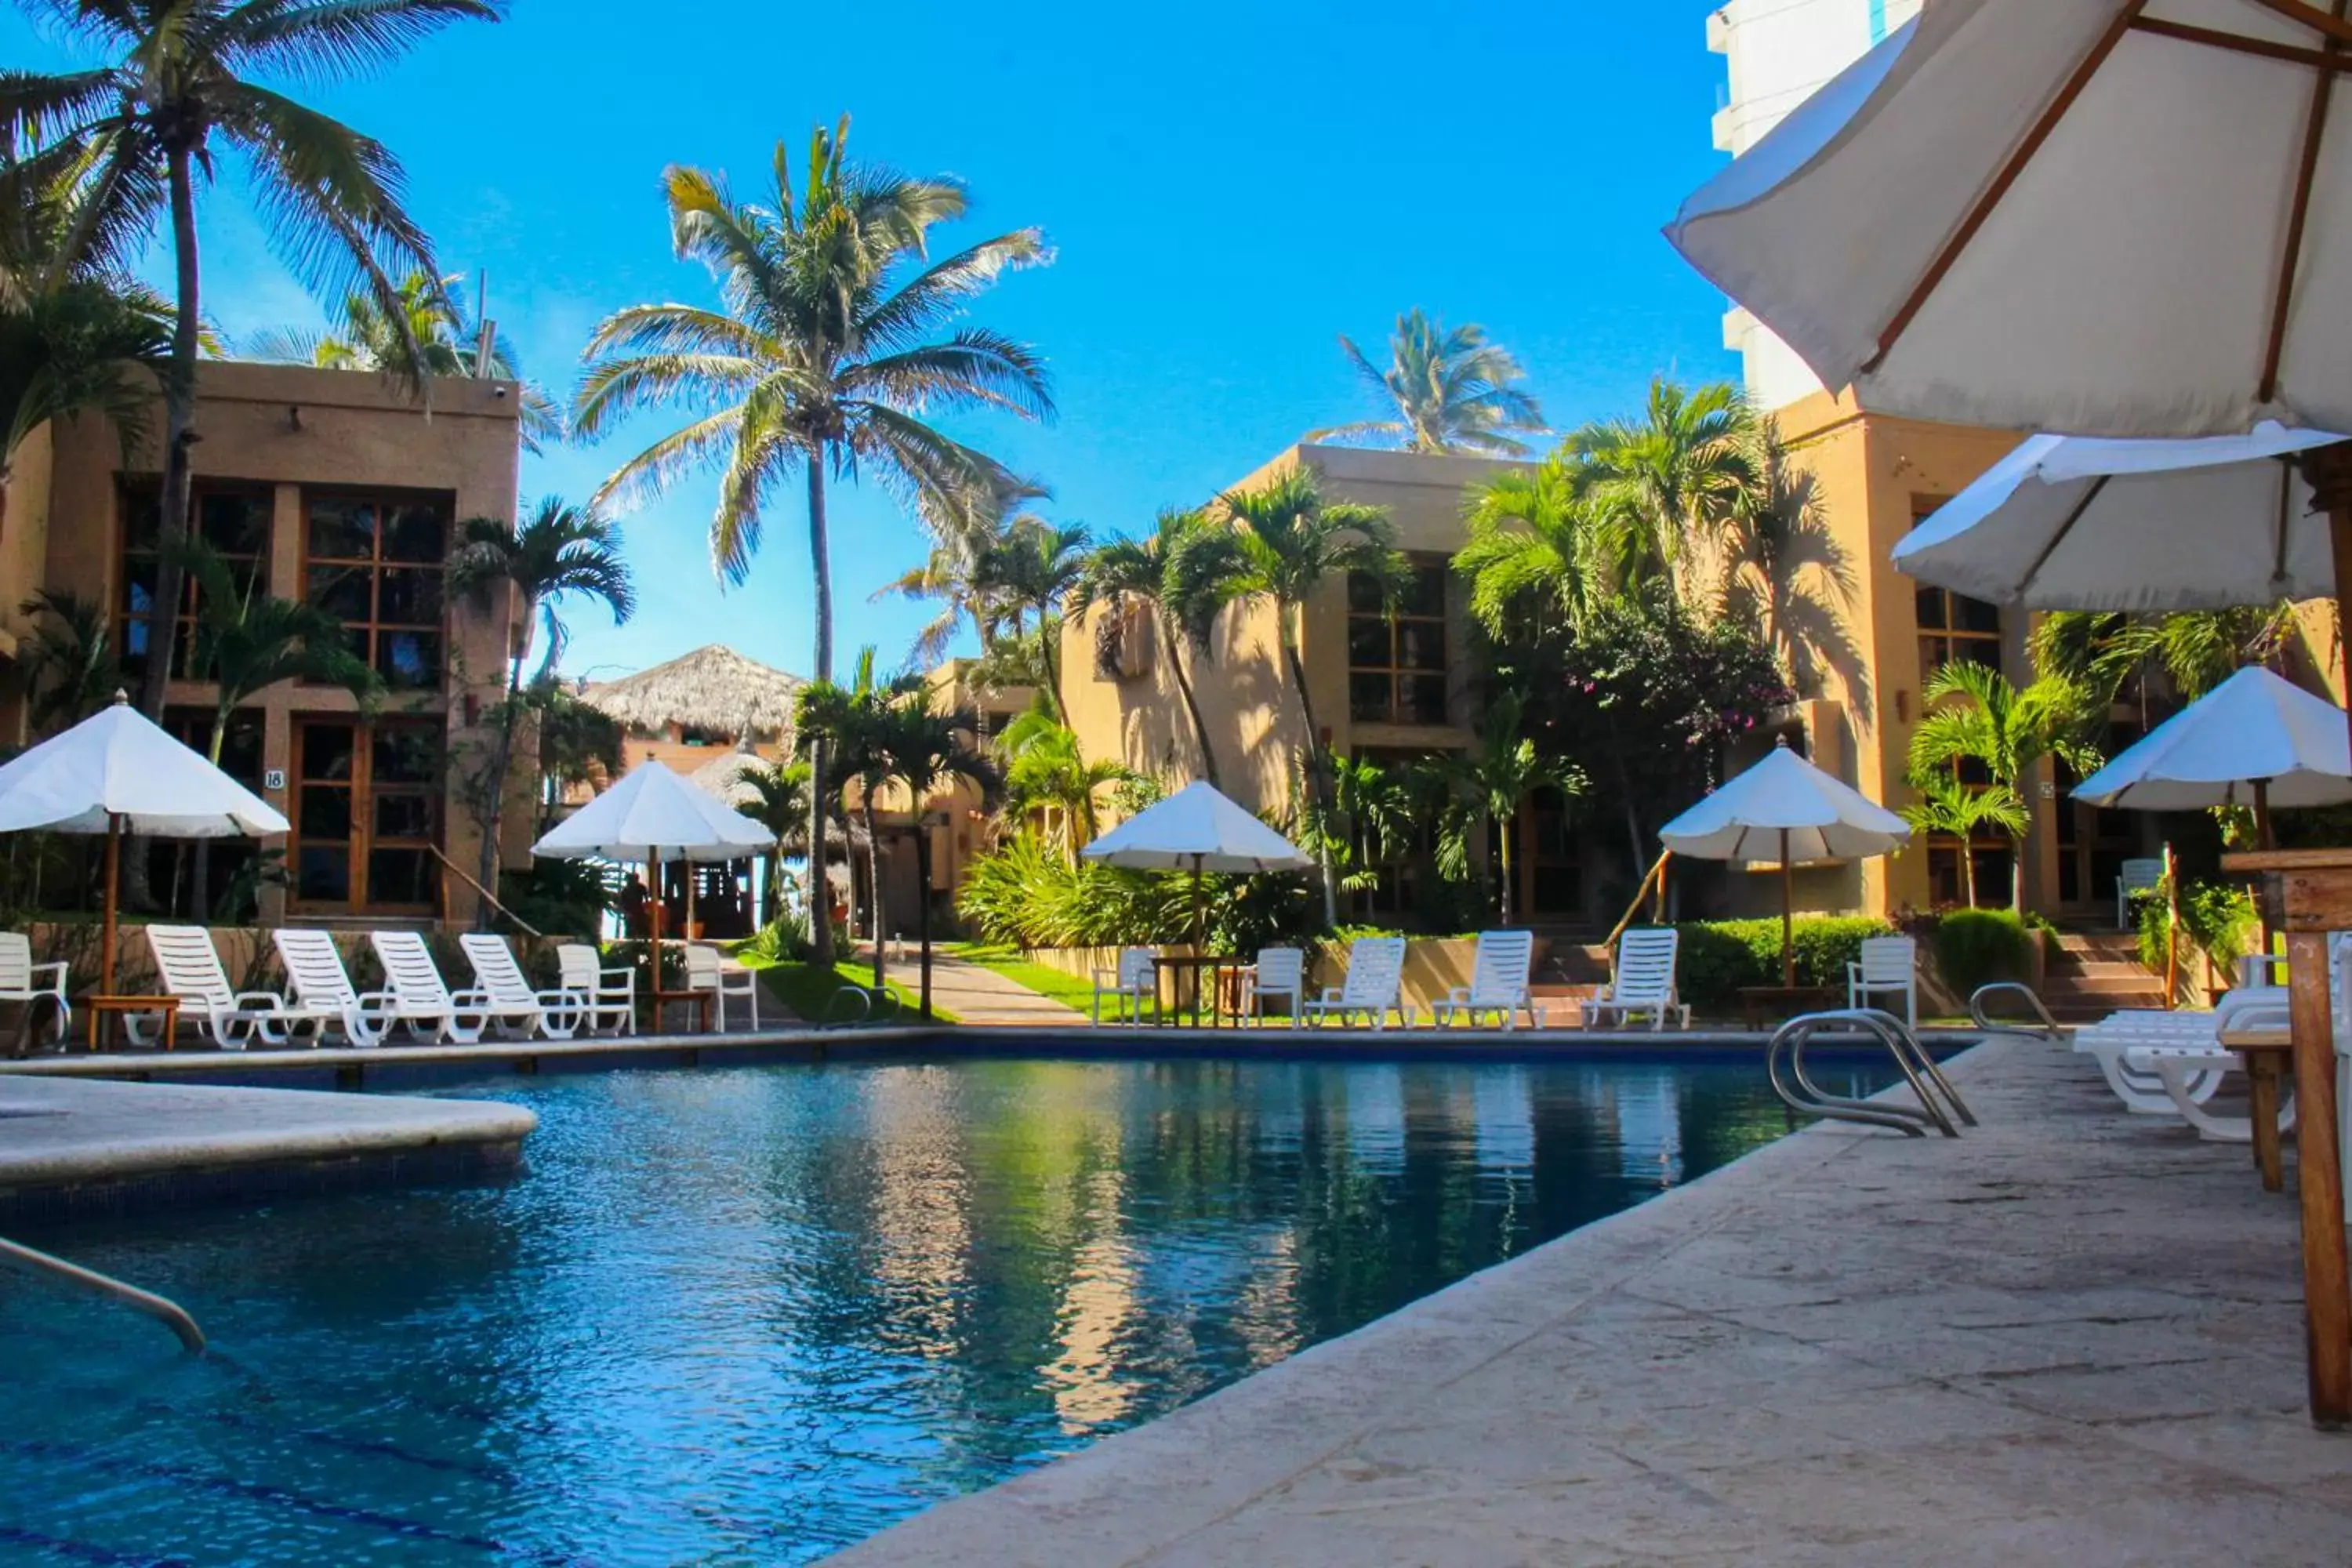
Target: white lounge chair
611,992
1888,965
1644,983
1135,981
2137,880
1498,981
1374,985
1278,972
422,1001
517,1008
21,979
321,985
707,969
191,970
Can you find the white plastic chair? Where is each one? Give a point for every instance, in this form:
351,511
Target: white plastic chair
1498,981
611,992
706,969
191,970
1888,963
20,978
1644,983
2138,878
1374,985
423,1001
516,1007
1135,981
1278,972
321,985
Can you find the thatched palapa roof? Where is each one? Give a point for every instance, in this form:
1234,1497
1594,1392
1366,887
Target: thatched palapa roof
724,778
713,687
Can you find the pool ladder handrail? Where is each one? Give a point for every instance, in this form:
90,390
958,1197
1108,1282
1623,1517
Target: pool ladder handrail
1940,1105
169,1314
1981,1010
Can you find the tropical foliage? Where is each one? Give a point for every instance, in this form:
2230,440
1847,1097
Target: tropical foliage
1480,792
1182,574
1451,392
1978,721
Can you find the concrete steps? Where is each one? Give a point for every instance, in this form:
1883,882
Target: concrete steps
2091,973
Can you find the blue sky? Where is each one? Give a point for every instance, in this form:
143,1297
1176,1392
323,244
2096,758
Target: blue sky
1228,186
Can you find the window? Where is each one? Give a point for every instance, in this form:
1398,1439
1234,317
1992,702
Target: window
703,735
1396,655
233,519
367,815
375,563
1953,626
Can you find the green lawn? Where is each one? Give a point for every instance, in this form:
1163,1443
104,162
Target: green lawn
807,989
1051,983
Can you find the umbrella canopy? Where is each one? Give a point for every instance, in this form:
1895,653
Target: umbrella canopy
1197,829
2116,217
119,768
2253,727
1822,817
2204,524
653,815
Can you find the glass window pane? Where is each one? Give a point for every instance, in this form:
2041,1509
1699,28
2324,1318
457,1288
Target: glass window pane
142,515
1975,614
1369,697
403,816
325,814
407,755
409,598
1424,699
408,660
235,523
327,751
1425,593
1368,641
1931,609
340,590
415,532
138,587
1421,645
1364,593
398,876
343,528
323,873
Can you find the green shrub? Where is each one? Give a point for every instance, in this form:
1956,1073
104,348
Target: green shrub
2217,917
1718,957
1975,947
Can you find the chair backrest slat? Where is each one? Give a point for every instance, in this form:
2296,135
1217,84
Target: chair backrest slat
409,970
496,971
576,965
315,965
2141,876
1135,967
1504,959
16,961
1375,971
190,967
1888,960
1281,968
701,966
1645,965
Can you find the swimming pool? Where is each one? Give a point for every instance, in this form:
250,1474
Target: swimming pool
751,1315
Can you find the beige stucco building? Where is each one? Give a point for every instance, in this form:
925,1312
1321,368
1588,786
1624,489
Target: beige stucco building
339,489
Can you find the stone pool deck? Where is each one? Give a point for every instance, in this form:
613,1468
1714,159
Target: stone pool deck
2074,1336
68,1146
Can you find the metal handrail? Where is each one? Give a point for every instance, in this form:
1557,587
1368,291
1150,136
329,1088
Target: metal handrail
1980,1010
168,1313
1641,895
835,1018
1939,1102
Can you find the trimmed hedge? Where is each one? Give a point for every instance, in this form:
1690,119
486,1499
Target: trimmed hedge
1974,947
1718,957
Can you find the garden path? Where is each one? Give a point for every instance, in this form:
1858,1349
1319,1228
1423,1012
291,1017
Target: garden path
972,994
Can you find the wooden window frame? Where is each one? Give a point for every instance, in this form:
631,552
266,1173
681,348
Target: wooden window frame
121,617
363,842
364,635
1395,670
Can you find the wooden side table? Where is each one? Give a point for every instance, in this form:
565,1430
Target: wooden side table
100,1012
701,1001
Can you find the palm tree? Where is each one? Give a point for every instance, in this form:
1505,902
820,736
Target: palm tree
68,662
1673,476
778,801
80,347
1976,716
430,334
1946,806
1045,770
2195,649
849,723
1293,542
1029,573
559,550
1486,787
1454,392
1183,574
1786,576
817,361
181,94
924,751
1539,546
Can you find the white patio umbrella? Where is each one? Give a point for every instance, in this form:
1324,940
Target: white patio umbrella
2255,740
650,813
117,772
1199,830
1784,810
2203,524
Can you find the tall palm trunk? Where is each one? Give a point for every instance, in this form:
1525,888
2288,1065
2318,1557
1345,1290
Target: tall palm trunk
1509,825
1051,671
1968,871
923,904
501,758
1317,779
1192,707
821,895
874,904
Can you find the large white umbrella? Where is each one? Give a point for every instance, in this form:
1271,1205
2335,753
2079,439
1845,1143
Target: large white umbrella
1784,810
2116,218
118,772
2255,740
1197,829
2088,522
651,814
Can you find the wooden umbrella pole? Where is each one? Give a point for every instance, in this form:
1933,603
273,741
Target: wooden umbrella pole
653,853
2265,841
2171,932
1788,917
113,903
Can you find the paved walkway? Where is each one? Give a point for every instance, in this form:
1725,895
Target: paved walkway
2074,1337
972,994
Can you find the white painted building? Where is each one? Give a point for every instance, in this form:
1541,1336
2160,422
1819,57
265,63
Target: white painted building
1776,53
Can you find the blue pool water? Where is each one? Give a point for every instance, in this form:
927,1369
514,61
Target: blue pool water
750,1316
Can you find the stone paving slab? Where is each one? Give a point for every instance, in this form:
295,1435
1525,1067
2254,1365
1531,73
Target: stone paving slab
2074,1336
